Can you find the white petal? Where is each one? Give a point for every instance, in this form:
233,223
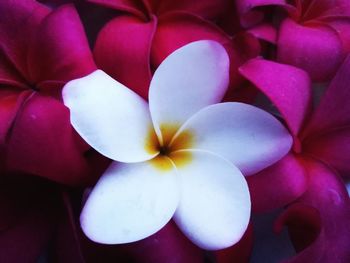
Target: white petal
214,208
111,118
130,202
249,137
189,79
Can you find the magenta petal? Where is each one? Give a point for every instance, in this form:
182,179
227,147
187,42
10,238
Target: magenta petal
277,185
240,252
206,8
264,32
332,147
301,46
178,29
31,206
286,86
326,194
334,108
59,50
18,21
342,26
135,7
127,59
250,16
167,245
43,142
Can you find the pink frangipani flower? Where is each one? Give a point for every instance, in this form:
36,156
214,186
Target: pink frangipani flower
313,34
181,156
307,179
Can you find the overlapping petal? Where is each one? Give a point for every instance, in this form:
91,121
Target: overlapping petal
288,87
130,202
189,79
214,208
111,118
333,110
42,142
127,59
278,185
301,46
249,137
328,196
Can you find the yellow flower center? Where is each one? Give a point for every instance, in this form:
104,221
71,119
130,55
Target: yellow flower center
169,148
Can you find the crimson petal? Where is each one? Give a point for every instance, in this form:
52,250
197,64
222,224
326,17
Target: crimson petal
43,142
127,59
333,110
301,46
328,212
289,88
59,49
277,185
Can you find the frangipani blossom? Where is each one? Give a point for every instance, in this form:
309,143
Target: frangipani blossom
181,156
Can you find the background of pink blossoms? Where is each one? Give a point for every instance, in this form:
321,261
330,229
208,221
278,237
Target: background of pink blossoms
288,57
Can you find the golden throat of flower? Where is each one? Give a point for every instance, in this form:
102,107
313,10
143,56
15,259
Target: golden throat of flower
169,150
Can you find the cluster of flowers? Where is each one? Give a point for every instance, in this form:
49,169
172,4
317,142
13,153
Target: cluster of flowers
208,166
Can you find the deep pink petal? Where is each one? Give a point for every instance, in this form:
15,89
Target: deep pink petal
122,50
332,148
264,32
278,185
240,252
301,46
18,21
287,87
318,9
43,142
249,13
178,29
59,50
135,7
206,8
31,205
328,197
334,108
342,26
66,244
167,245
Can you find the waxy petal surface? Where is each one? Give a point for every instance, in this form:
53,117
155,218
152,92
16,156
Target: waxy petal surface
189,79
333,110
42,142
214,208
288,87
301,46
249,137
328,196
130,202
277,185
111,118
127,59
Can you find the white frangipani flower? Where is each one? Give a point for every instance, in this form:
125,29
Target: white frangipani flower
179,157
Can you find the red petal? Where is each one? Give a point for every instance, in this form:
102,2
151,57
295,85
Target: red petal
332,148
43,142
301,46
135,7
334,108
127,59
287,87
59,50
328,196
18,21
206,8
278,185
32,205
249,13
239,253
178,29
167,245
